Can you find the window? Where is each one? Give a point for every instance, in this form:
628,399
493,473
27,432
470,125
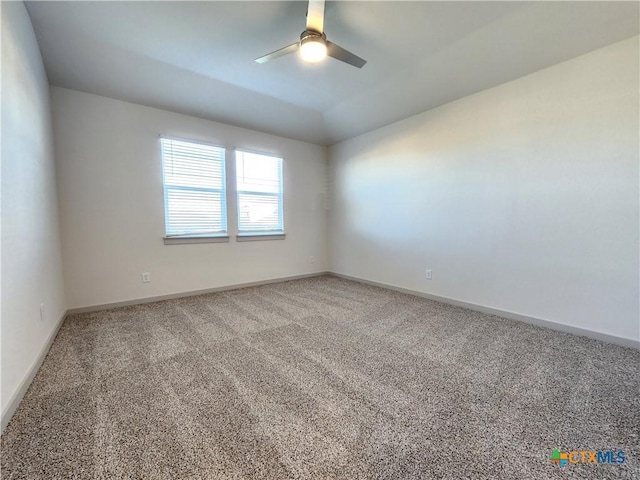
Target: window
195,202
259,185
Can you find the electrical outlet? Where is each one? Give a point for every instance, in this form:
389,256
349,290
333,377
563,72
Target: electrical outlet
312,259
427,274
146,277
42,312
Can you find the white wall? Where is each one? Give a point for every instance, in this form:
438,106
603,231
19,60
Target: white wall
112,211
522,198
31,261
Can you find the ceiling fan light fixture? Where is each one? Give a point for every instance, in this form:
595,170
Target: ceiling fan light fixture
313,47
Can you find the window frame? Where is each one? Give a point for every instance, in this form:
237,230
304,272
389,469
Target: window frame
260,235
190,238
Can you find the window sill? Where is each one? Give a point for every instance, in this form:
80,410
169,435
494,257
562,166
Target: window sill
259,237
196,239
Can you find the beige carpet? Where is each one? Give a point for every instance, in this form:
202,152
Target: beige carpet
321,378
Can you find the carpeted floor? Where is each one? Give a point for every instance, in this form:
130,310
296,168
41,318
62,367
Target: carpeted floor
321,378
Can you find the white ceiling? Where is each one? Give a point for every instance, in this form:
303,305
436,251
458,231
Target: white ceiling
197,57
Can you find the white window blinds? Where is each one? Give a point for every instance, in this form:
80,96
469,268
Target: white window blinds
195,202
259,184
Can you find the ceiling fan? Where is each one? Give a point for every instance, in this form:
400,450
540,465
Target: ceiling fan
313,44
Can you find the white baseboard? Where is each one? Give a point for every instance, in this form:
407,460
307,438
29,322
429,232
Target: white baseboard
24,385
624,342
192,293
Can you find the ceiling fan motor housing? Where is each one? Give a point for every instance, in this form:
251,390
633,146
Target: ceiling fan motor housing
312,36
313,46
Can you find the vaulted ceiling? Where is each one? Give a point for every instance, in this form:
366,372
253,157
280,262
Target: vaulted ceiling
197,58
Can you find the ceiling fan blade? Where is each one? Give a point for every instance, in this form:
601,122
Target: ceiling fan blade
343,55
315,16
279,53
